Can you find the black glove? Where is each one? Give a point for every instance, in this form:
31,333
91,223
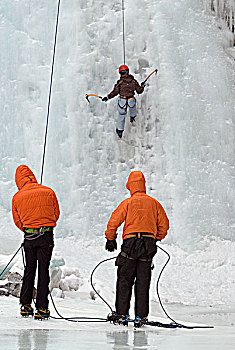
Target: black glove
105,99
110,246
143,84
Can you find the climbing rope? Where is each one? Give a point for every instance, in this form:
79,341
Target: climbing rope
123,33
92,285
175,324
49,98
2,272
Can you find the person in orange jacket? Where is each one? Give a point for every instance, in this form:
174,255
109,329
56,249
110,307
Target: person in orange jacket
145,223
35,211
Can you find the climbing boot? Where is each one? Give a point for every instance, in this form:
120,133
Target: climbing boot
118,319
140,321
119,133
26,310
132,119
42,314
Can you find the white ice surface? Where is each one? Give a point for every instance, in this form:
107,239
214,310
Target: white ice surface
27,334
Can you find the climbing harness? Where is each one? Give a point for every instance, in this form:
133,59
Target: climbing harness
135,237
49,98
126,98
34,233
126,103
130,257
139,235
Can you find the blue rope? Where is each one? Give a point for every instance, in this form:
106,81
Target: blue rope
49,99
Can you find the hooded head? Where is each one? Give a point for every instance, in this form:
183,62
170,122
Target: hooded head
24,175
136,182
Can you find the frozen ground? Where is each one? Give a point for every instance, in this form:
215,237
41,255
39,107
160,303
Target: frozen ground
27,334
194,301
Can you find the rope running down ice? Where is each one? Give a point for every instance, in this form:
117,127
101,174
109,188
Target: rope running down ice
49,98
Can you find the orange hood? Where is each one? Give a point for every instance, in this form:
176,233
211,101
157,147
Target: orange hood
136,182
24,175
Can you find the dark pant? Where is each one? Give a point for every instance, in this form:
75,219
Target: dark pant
135,271
39,252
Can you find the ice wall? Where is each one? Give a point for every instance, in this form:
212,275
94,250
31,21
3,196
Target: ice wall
224,12
184,135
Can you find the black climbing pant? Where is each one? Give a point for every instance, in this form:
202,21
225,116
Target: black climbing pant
134,268
37,252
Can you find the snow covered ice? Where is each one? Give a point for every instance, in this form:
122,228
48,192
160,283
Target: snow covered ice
183,141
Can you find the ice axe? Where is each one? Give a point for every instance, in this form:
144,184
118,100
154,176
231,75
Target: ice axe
88,95
155,71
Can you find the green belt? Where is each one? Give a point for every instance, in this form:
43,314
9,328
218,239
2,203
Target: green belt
36,230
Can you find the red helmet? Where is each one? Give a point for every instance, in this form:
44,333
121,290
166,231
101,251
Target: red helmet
123,67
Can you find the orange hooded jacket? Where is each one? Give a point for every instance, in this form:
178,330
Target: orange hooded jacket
34,205
141,212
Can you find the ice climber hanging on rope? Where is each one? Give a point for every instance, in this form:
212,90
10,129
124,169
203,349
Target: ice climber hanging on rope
125,87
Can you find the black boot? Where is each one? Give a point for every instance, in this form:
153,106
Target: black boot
118,319
132,119
140,321
119,132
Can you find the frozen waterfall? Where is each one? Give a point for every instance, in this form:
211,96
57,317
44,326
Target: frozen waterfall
183,139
